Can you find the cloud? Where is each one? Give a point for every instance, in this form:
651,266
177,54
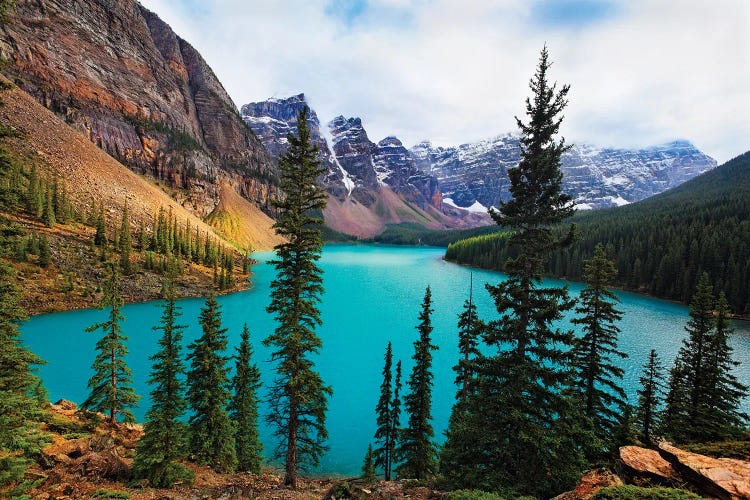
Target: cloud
641,72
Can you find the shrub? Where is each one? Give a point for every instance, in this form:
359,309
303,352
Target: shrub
638,493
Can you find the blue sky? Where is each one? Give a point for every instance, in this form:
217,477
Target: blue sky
641,72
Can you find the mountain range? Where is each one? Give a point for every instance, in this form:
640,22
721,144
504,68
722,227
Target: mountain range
472,176
121,76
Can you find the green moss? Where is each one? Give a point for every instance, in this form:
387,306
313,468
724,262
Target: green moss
638,493
721,449
472,495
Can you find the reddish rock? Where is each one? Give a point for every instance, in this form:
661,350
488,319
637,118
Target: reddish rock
649,464
121,76
591,482
725,478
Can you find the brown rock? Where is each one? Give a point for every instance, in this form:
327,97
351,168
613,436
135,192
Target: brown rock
649,464
725,478
64,404
122,77
591,482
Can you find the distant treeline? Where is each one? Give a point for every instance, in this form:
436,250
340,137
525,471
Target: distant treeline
660,246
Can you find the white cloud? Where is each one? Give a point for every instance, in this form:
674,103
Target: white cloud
455,72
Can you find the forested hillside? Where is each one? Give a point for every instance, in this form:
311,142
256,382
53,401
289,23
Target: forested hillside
660,245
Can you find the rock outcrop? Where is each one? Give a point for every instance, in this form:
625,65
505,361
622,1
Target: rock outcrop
591,482
648,464
122,77
595,177
724,478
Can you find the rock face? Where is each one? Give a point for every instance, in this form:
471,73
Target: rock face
724,478
648,464
122,77
370,184
591,482
595,177
272,120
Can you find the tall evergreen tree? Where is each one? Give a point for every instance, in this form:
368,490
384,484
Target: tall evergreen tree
243,409
126,244
111,385
650,398
100,236
164,441
416,449
520,411
689,385
211,433
49,208
369,474
385,434
298,395
396,415
725,392
20,412
470,328
598,379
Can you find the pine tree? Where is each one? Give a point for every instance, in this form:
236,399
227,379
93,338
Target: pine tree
689,389
725,393
49,209
385,434
100,237
650,398
21,414
142,237
243,409
598,379
520,410
211,433
470,328
369,475
298,395
45,252
164,440
111,385
416,448
396,415
126,244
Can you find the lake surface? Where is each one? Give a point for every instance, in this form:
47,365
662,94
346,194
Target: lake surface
372,295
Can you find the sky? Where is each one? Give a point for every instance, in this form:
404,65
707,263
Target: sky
641,72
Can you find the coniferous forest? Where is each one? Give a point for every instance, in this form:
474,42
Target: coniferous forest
662,245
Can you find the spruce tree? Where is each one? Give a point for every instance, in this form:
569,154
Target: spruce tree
45,252
725,392
650,398
369,475
210,429
49,209
520,411
111,385
470,328
243,409
298,395
597,378
385,434
164,440
396,415
690,387
416,448
100,236
126,244
21,414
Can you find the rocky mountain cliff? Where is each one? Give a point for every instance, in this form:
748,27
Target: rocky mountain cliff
370,184
122,77
595,177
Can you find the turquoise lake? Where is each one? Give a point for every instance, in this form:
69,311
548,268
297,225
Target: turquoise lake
372,295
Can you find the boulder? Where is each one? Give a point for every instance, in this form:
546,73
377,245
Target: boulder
591,482
64,404
648,464
725,478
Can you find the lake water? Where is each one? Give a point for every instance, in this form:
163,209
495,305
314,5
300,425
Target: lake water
372,296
